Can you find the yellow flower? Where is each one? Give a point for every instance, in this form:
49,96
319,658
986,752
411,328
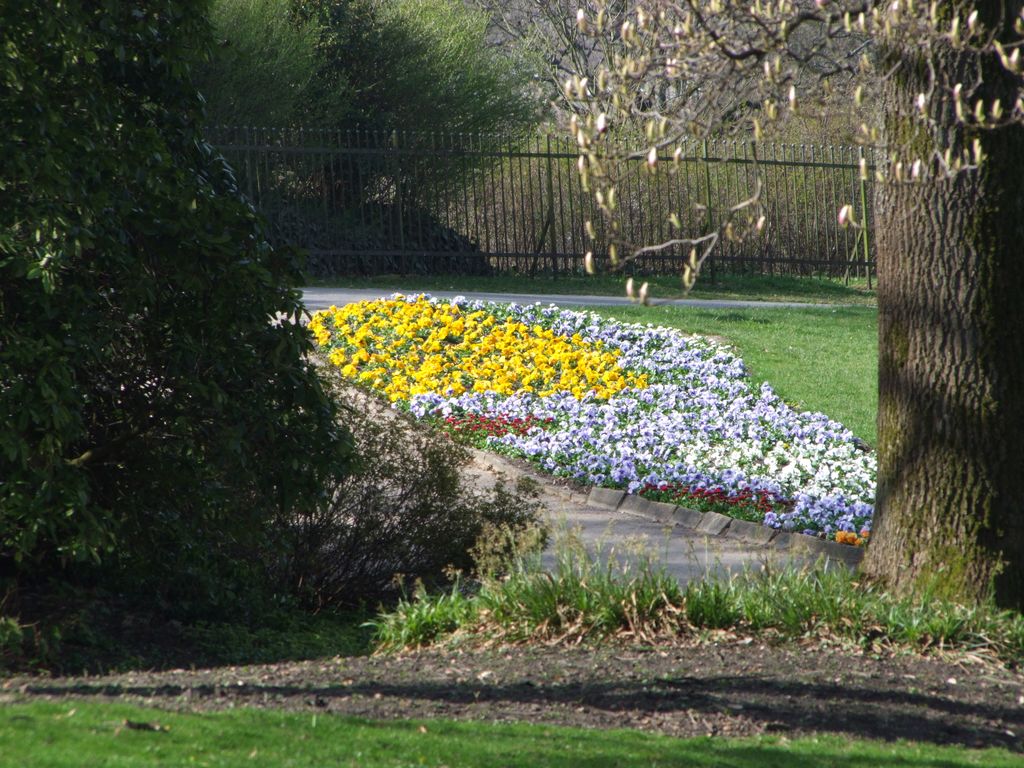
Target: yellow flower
417,347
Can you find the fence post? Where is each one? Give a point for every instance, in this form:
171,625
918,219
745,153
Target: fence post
762,208
709,219
864,213
396,146
550,212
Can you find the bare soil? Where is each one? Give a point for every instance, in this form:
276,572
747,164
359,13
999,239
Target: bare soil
727,687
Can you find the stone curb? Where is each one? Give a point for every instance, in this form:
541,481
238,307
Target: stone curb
753,532
714,524
687,518
605,498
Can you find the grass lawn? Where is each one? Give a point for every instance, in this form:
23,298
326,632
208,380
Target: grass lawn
816,359
746,287
71,733
94,639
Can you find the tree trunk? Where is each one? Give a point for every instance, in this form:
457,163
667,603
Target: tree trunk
950,502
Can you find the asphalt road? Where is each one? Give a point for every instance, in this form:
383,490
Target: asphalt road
322,298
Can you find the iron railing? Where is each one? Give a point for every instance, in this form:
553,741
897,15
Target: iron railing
368,202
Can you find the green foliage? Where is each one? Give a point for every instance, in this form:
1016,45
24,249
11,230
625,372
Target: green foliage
152,418
708,605
99,632
260,64
316,73
425,618
419,65
582,596
586,596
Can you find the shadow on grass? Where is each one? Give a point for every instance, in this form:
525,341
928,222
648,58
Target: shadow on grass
778,705
97,732
118,641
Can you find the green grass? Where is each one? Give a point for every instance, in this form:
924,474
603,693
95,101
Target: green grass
593,596
71,734
290,636
816,359
745,287
98,638
584,595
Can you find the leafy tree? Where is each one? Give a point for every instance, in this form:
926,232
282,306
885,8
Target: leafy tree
420,65
544,34
395,73
153,418
949,224
260,65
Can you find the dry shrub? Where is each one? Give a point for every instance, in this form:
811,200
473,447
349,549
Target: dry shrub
404,514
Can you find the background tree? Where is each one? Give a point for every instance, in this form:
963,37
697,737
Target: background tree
949,223
546,34
400,65
261,63
153,420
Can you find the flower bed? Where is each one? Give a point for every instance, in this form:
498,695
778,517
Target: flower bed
477,429
607,403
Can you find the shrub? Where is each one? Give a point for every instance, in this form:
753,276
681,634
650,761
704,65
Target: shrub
422,64
152,420
260,65
403,512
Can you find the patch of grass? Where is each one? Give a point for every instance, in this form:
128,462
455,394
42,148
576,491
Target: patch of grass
76,733
289,636
814,290
580,596
816,359
104,637
425,618
589,597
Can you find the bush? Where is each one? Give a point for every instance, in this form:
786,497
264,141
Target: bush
421,65
260,65
404,511
153,421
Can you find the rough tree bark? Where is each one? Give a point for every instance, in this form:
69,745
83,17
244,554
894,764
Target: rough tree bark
950,501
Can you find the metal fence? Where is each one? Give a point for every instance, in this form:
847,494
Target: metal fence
366,202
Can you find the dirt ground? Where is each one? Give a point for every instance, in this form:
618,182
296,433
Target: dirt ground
726,687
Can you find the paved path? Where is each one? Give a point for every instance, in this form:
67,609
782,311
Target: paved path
322,298
685,553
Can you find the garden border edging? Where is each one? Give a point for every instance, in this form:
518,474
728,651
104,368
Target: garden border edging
715,524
